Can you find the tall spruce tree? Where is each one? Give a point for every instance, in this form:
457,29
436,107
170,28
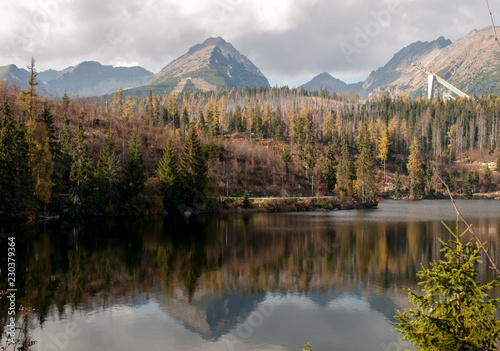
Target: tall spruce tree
327,168
345,168
306,139
168,173
105,190
134,174
41,159
185,119
193,164
82,170
455,311
31,95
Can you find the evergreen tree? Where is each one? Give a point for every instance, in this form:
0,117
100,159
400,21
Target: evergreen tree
277,125
256,120
7,166
415,171
48,120
105,191
451,181
327,170
487,174
16,182
133,170
345,168
193,164
185,119
475,177
236,123
31,95
365,168
455,311
82,170
467,190
305,138
173,110
212,117
287,158
41,158
169,178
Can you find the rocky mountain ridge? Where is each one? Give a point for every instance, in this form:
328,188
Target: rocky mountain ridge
472,64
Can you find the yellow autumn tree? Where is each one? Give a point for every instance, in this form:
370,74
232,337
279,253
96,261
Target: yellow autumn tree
40,160
383,148
129,108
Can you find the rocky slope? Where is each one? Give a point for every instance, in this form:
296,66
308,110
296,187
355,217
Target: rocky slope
472,64
213,64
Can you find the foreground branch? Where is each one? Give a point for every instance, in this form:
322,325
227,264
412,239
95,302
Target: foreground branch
493,265
492,23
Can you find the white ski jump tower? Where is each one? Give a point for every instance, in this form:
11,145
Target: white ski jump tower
430,82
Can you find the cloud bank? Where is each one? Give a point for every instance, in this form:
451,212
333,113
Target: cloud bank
289,40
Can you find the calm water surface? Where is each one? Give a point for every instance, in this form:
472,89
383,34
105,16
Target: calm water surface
243,282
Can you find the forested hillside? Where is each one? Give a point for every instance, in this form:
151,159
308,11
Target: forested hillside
187,151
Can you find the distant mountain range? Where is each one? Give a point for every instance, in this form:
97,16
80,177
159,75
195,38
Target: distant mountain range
472,64
85,79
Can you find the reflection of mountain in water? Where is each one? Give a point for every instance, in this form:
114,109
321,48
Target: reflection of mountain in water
209,314
212,315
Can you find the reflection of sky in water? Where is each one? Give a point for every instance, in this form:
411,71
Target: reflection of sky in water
409,211
347,322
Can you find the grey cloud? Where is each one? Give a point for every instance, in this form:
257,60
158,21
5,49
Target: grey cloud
307,43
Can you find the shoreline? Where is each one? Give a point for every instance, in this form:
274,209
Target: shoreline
233,205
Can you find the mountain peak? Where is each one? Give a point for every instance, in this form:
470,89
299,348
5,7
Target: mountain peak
212,64
214,41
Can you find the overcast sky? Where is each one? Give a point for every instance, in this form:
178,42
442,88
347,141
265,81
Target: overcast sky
289,40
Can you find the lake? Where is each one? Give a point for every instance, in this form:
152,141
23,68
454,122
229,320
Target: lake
268,281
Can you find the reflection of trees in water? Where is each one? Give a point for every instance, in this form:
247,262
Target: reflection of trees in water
107,259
